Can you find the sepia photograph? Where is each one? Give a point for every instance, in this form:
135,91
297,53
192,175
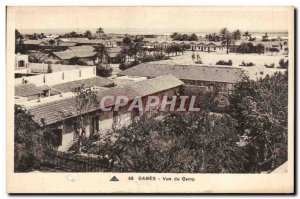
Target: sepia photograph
149,96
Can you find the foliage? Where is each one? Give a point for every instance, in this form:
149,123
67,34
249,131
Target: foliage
247,64
260,48
222,62
261,109
176,48
191,143
104,70
19,44
273,50
198,59
100,57
237,34
99,31
284,64
184,37
85,98
270,65
37,57
28,141
88,34
124,66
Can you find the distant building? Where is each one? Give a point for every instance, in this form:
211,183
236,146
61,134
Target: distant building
214,78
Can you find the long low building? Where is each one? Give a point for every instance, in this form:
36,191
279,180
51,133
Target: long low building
213,77
58,116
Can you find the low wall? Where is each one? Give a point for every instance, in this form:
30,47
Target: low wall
42,68
60,77
77,162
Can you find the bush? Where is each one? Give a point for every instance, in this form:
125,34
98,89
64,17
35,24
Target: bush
124,66
222,62
270,66
28,141
283,64
104,70
247,64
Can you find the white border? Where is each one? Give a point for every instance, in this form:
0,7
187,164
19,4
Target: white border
4,3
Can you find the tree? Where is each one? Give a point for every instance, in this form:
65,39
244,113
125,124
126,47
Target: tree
88,34
243,48
260,48
37,57
100,31
101,56
247,34
284,64
261,109
73,34
103,70
193,56
237,34
173,35
195,143
226,38
265,37
19,44
51,42
193,37
28,141
272,50
85,99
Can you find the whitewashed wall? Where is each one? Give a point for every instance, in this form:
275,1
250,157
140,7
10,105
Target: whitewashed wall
58,77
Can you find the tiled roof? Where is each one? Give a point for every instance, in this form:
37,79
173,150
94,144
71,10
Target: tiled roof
33,42
67,44
92,41
26,90
91,82
187,72
91,48
69,54
59,110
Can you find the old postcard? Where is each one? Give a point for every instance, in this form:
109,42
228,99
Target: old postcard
150,99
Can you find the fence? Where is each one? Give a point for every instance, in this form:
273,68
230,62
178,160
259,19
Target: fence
77,163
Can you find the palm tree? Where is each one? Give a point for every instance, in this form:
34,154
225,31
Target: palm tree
88,34
101,52
247,34
226,38
237,34
99,31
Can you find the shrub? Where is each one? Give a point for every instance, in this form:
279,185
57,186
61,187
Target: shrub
270,66
283,64
247,64
222,62
124,66
104,70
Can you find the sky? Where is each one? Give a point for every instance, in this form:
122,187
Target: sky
152,19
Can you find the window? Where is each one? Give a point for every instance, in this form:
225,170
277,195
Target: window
115,116
95,124
53,137
21,63
57,135
135,112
